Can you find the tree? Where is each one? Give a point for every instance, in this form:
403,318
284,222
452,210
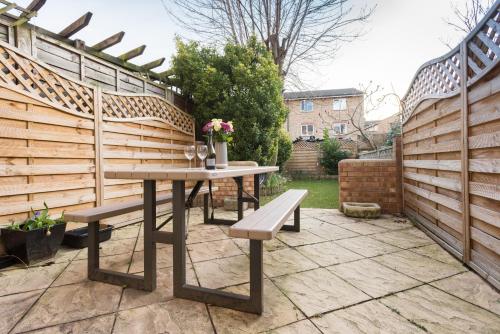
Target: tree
331,154
239,84
466,18
285,147
294,31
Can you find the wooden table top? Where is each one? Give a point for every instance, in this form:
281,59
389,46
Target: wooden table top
197,174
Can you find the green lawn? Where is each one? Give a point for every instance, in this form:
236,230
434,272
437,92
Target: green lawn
322,193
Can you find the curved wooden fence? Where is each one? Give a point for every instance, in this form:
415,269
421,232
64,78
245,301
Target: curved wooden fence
451,148
57,135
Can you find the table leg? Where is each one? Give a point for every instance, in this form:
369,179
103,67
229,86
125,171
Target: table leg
239,184
256,191
178,208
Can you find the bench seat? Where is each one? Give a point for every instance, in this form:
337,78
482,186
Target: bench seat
265,223
98,213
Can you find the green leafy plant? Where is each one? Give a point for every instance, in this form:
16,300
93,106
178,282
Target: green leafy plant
394,131
38,220
332,154
274,183
285,146
240,83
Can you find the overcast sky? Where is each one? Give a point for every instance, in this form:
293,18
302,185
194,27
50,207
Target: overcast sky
400,36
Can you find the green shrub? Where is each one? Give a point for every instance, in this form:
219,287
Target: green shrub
285,146
241,84
275,183
394,131
38,220
332,153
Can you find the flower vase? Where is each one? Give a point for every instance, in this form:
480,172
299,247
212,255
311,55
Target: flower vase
221,161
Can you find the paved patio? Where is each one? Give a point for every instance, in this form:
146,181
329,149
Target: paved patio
338,275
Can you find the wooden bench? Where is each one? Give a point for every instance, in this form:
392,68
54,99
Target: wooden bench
152,235
264,224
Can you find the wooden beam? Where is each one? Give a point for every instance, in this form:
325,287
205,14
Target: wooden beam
109,42
133,53
7,8
35,5
76,26
153,64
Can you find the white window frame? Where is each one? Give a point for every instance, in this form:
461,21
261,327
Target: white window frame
339,125
303,103
306,134
343,104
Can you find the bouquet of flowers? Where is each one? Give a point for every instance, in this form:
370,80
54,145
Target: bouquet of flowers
222,131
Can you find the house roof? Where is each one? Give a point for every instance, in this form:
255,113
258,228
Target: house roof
321,93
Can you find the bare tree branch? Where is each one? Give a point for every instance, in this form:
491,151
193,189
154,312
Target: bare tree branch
294,31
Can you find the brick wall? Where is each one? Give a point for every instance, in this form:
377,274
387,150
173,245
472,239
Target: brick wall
373,181
227,188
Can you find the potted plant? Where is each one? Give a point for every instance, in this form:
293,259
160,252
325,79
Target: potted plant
223,134
36,238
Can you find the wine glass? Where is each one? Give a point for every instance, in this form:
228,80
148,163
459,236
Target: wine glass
189,152
202,151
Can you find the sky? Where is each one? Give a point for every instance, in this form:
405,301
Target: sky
400,36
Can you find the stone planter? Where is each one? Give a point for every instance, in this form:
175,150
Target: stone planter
361,210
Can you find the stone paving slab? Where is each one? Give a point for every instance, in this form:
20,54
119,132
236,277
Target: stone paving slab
338,275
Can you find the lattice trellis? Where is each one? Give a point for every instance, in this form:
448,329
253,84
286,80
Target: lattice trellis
24,74
441,77
127,106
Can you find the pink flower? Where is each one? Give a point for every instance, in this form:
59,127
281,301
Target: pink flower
207,127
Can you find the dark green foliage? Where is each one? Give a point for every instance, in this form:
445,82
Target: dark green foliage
284,148
241,84
332,153
393,132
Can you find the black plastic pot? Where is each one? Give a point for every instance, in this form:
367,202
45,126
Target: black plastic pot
78,238
35,244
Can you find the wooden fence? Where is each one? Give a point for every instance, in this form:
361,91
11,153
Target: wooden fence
58,135
451,149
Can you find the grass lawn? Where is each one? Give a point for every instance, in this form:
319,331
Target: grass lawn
322,193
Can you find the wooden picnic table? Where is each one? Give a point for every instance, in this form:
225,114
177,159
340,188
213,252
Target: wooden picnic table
179,176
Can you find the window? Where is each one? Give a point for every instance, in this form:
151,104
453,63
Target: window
307,130
339,104
339,128
306,105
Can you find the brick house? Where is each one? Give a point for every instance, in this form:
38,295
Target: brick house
312,111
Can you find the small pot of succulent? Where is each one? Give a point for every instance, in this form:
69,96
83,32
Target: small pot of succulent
36,238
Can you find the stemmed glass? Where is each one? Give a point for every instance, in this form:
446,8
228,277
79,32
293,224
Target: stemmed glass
189,152
202,151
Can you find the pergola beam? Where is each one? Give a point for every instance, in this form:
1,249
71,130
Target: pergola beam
133,53
35,5
153,64
7,8
76,26
109,42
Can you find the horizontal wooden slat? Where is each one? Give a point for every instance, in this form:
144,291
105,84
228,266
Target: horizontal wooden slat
118,128
45,119
435,197
448,146
447,165
435,181
42,187
52,203
433,132
141,143
9,132
484,165
17,170
486,215
141,155
485,190
483,116
45,152
485,140
450,221
485,239
439,113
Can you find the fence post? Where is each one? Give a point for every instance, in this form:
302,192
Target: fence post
99,161
465,150
397,155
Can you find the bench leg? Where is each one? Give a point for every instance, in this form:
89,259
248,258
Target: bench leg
296,219
205,208
93,250
256,276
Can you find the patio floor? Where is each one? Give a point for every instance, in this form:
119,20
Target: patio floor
338,275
